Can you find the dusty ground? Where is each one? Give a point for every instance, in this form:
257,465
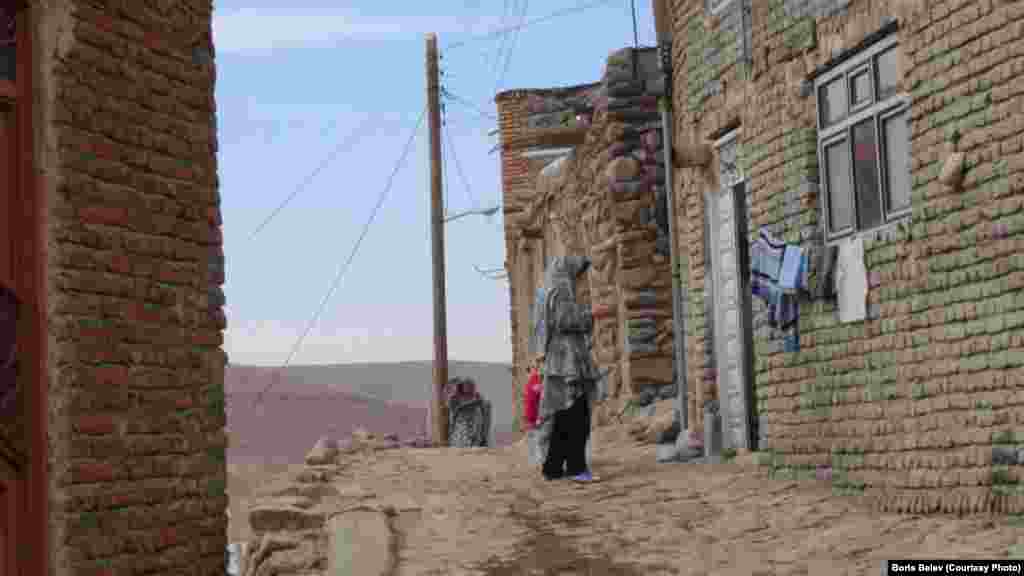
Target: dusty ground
486,512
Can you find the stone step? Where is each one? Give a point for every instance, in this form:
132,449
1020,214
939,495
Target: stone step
360,544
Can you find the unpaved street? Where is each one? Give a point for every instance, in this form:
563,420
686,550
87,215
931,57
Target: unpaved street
483,511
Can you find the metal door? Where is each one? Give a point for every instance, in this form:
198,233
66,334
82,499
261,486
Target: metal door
731,301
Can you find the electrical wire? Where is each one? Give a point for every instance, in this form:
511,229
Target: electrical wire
345,144
445,173
636,34
557,14
458,168
352,254
502,40
471,106
512,46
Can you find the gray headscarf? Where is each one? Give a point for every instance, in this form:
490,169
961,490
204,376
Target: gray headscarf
569,371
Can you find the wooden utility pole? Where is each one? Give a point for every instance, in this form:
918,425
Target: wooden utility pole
438,408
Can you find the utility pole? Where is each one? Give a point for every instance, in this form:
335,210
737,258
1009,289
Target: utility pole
438,409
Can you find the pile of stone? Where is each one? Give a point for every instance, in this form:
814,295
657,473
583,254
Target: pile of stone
290,528
636,185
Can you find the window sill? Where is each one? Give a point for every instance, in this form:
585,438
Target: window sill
885,232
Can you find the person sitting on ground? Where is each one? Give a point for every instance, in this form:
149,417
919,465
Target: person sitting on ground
469,415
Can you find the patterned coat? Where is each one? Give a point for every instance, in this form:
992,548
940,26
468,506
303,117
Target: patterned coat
569,370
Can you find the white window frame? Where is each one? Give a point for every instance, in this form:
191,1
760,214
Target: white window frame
715,7
879,111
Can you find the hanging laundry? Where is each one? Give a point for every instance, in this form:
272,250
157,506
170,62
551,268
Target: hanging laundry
826,262
805,270
791,343
766,254
851,281
790,277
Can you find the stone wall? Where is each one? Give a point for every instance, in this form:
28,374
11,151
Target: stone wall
128,138
918,406
607,201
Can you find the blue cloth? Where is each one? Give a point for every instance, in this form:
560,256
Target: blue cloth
791,343
766,254
790,275
778,272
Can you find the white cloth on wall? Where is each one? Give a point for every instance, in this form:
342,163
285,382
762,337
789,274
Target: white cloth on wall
851,280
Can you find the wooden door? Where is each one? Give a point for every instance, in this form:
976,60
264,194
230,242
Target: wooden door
11,401
10,506
22,439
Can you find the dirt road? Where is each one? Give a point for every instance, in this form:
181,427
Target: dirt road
485,512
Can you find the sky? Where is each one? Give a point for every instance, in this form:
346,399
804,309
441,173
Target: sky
297,80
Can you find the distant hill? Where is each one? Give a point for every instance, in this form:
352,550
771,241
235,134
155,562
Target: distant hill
307,402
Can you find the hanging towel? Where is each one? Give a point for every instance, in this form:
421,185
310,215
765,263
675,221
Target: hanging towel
805,271
790,275
826,261
851,280
766,256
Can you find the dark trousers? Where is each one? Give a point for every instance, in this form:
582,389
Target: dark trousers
567,452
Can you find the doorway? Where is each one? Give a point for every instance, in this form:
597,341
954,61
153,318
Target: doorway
731,299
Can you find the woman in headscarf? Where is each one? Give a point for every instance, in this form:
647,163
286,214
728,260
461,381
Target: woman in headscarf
569,388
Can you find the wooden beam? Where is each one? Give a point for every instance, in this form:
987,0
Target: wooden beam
549,137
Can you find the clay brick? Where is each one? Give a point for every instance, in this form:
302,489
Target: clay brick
95,424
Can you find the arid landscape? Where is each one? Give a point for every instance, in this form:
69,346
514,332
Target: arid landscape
306,402
270,438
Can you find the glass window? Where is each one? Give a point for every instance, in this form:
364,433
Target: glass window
860,89
865,175
837,169
897,161
888,66
832,102
864,142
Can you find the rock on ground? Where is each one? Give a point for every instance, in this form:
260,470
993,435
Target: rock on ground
325,451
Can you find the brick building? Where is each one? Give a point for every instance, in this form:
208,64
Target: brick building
882,140
898,127
112,440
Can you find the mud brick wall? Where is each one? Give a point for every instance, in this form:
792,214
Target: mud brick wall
636,186
607,201
527,243
919,406
136,267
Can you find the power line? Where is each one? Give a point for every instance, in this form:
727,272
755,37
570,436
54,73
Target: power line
558,14
352,254
636,34
458,168
466,103
445,174
512,46
502,40
343,145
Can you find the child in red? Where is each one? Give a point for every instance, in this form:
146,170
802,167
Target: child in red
534,387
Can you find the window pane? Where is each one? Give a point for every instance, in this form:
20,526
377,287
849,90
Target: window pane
865,175
897,161
889,71
860,88
832,102
840,198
